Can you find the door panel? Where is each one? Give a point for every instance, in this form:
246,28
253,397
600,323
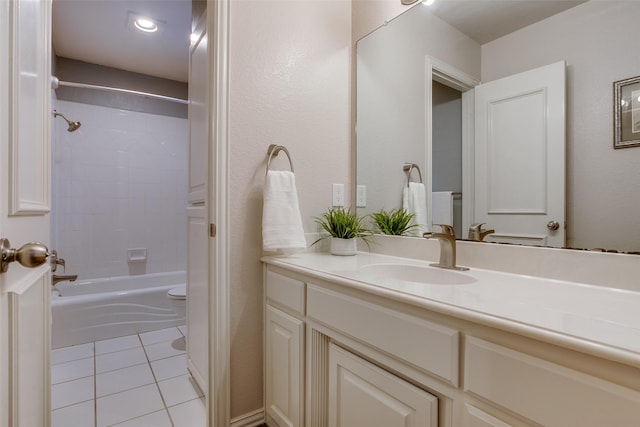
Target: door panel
29,329
30,111
520,156
25,116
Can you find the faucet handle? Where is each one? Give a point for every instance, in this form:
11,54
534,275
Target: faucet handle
447,229
55,261
477,226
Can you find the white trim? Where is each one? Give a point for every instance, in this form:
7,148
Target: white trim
219,346
434,69
251,419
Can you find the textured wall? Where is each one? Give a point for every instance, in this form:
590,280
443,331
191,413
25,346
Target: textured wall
289,84
119,182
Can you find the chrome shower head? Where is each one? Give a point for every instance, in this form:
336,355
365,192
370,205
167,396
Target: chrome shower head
73,126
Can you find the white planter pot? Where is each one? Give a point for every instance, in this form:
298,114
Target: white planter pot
343,246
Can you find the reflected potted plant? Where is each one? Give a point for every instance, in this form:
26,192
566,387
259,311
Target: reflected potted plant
344,228
396,222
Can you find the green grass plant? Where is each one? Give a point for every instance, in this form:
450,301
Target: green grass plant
396,222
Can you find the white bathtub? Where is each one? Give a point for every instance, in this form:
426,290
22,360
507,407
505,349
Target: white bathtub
99,309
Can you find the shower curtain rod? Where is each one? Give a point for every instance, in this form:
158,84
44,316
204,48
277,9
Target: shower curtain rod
115,89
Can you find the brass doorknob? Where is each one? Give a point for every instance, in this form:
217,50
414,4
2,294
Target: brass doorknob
29,255
553,225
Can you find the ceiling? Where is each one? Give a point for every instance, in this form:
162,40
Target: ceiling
487,20
99,31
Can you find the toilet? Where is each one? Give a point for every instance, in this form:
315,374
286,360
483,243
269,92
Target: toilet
178,298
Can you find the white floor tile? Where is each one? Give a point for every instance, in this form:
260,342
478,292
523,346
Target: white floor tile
170,367
160,335
75,352
71,392
183,330
178,390
157,419
123,406
189,414
120,359
71,370
165,349
123,379
117,344
80,415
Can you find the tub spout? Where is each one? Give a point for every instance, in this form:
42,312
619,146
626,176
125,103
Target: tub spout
69,278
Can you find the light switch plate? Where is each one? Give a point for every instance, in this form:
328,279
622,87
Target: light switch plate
338,195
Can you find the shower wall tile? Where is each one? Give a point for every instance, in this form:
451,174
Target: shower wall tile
121,182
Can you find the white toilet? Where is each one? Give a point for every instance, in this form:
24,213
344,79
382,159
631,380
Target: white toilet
178,297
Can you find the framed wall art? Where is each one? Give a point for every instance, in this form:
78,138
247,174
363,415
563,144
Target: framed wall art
626,113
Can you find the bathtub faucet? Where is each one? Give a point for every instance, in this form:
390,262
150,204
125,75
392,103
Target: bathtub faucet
70,278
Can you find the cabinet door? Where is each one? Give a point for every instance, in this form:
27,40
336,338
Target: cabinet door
284,368
363,395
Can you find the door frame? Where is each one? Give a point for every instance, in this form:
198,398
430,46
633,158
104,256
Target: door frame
452,77
219,280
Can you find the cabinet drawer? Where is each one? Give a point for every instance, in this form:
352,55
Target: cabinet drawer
544,392
285,292
428,346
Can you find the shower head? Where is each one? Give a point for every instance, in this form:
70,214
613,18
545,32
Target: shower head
73,126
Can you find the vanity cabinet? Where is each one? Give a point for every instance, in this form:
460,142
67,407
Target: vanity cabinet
351,356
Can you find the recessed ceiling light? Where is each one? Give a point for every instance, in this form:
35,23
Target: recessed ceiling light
146,25
428,2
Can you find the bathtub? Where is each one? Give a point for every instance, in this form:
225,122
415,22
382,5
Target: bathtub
99,309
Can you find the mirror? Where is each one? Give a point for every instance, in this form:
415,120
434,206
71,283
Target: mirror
594,38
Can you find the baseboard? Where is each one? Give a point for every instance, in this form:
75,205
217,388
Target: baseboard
252,419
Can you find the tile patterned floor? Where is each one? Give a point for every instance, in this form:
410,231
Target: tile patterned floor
134,381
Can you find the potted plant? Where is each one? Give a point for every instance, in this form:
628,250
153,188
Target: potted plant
396,222
344,227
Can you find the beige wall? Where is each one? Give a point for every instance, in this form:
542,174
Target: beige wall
599,42
289,84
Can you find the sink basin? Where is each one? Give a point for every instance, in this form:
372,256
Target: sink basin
419,274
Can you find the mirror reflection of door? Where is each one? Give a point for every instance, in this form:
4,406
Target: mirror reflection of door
520,156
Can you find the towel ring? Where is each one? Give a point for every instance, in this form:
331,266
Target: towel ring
410,167
273,151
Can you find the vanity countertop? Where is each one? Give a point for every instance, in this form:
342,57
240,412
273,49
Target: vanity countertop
597,320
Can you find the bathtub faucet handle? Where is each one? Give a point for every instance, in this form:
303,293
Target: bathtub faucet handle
55,261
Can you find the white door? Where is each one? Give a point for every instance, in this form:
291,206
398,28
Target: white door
520,157
25,116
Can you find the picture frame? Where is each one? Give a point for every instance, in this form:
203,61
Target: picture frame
626,113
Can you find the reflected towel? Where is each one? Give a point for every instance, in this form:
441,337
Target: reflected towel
414,201
442,207
281,220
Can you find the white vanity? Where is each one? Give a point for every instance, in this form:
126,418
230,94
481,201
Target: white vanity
360,342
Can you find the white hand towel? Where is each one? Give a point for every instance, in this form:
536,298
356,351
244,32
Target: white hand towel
281,220
442,207
414,201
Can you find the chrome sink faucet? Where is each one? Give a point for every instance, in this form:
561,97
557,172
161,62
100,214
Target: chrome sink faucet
447,241
477,233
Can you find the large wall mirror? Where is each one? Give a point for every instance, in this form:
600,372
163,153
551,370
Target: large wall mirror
420,81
